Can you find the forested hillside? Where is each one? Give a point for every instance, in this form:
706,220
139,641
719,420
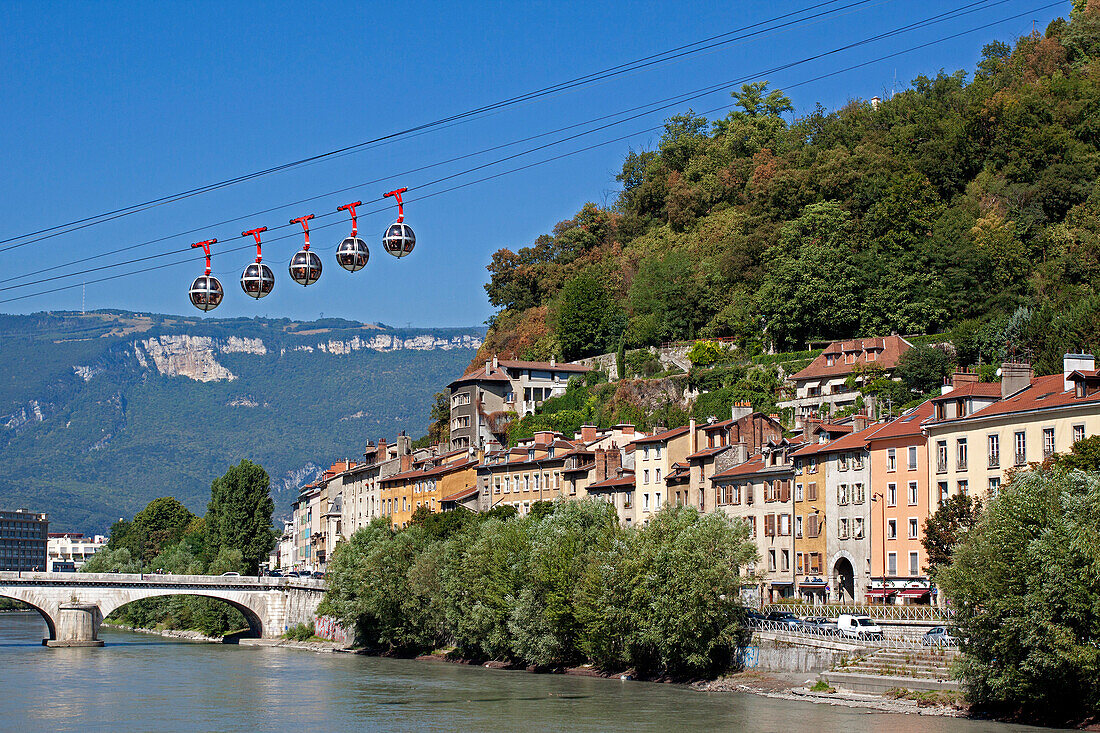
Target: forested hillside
100,413
967,203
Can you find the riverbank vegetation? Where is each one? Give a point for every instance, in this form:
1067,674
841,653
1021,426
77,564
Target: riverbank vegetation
561,586
235,535
1023,584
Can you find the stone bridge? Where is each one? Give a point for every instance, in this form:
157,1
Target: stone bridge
75,604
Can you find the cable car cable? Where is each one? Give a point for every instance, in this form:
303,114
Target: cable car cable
664,103
616,70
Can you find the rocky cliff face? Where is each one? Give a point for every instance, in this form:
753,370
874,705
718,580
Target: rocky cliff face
388,342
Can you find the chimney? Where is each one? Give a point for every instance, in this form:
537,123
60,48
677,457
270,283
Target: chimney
860,421
875,102
588,433
692,440
740,410
1076,362
613,459
1014,377
807,428
625,430
487,363
544,437
496,363
964,376
553,361
404,444
740,453
381,453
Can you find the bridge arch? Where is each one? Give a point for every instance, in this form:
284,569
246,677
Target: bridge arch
252,616
45,610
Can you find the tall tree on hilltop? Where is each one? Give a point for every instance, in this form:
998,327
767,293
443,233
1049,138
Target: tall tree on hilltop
161,523
590,320
239,514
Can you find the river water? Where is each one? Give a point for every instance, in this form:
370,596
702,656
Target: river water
145,683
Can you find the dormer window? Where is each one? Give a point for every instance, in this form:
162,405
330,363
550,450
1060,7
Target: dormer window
1079,388
850,357
872,355
830,359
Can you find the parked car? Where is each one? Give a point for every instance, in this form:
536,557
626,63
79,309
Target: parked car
752,618
275,574
820,625
939,636
293,574
318,575
782,617
231,574
858,627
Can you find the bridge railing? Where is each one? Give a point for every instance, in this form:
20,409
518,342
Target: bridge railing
932,614
237,581
888,639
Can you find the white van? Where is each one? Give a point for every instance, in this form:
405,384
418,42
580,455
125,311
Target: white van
858,627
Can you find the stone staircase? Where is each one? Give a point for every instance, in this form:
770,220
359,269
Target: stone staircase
922,669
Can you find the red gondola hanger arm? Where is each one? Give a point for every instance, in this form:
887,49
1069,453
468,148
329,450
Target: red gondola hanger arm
400,207
256,233
350,208
304,221
206,250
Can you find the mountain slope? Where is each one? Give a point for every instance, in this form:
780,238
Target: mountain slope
100,413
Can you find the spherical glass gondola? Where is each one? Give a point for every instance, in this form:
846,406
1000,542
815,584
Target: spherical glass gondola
206,293
257,280
352,254
399,239
305,267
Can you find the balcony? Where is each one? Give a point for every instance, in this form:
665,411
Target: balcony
994,460
1021,458
941,465
960,465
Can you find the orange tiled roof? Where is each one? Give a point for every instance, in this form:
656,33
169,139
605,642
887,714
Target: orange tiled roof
662,437
747,468
627,479
906,425
889,349
460,495
1044,393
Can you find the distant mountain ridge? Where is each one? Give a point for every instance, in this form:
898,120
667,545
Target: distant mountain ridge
101,412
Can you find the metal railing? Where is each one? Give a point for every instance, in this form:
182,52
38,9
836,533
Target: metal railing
887,639
884,611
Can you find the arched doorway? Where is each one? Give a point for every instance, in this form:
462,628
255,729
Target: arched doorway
844,579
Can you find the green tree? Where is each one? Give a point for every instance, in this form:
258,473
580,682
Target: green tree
1083,456
1027,606
161,523
590,319
947,527
238,516
923,368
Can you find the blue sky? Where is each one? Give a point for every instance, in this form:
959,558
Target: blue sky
108,104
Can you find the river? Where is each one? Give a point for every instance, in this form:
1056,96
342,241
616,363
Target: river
139,682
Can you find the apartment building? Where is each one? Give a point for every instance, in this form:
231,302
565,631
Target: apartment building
426,483
899,474
810,525
825,379
482,399
362,484
532,471
23,540
66,552
758,491
612,483
717,446
1027,420
654,458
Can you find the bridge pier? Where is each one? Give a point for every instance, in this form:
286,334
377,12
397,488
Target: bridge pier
77,625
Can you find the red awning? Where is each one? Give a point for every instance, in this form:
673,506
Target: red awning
880,592
914,592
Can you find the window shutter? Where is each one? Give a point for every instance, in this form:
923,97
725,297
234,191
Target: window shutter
785,494
812,492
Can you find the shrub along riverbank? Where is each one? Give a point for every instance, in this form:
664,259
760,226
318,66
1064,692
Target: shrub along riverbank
563,585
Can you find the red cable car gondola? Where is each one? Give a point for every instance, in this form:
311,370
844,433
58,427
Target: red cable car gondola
399,239
206,292
257,280
305,266
353,253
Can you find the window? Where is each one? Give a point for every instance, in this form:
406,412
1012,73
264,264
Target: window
1020,442
786,560
912,465
657,476
941,456
994,451
645,502
645,476
914,565
912,493
658,450
771,560
913,529
830,359
891,460
784,525
891,563
891,494
752,526
645,452
798,563
842,461
657,499
942,485
798,527
1048,442
960,448
811,492
813,465
1078,433
994,485
891,529
858,494
798,492
842,494
842,528
964,487
857,528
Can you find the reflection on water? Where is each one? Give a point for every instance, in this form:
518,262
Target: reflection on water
138,682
